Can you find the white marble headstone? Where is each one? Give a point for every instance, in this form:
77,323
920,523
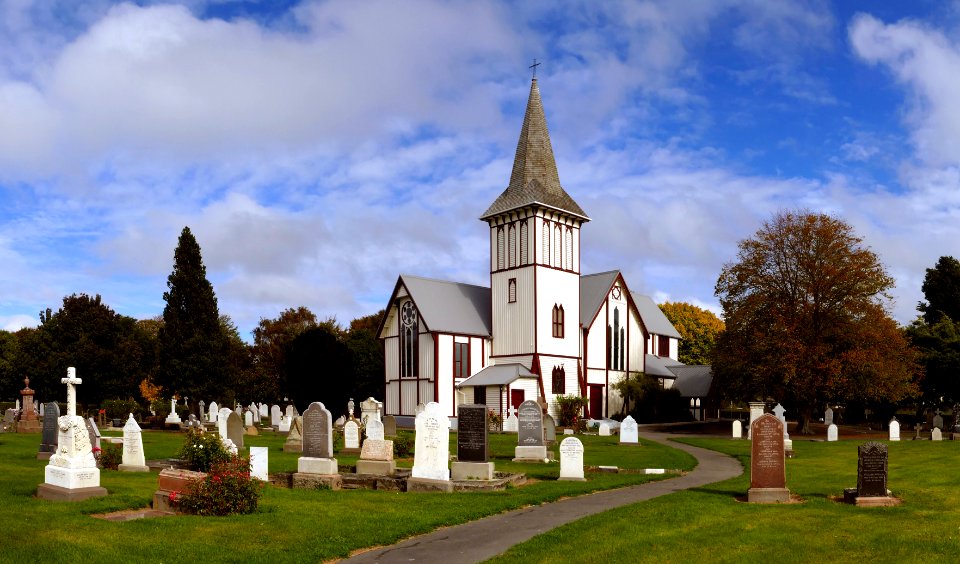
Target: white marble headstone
737,429
628,430
275,415
936,434
222,418
894,429
258,463
248,418
511,424
264,410
351,435
432,444
374,429
133,455
571,459
832,433
214,412
604,430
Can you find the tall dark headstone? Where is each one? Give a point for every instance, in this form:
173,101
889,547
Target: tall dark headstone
529,424
317,435
872,470
235,429
50,437
768,477
472,433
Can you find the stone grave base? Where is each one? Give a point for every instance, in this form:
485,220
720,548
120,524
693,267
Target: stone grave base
71,478
530,454
429,485
768,495
349,451
377,467
307,481
628,443
850,496
172,480
395,483
471,470
33,426
309,465
571,479
293,447
44,455
251,430
57,493
133,468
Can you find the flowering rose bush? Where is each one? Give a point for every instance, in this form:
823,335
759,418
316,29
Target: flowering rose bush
110,456
202,450
226,489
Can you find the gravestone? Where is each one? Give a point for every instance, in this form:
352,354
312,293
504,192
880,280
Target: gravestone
72,473
571,459
629,435
938,420
779,411
832,433
340,421
390,426
828,417
936,434
317,466
202,411
173,418
351,437
291,412
49,438
871,490
604,430
370,408
894,429
376,458
530,447
133,456
473,455
93,432
259,463
549,429
374,429
264,411
222,418
737,429
29,422
768,478
511,423
431,449
248,418
275,415
284,425
294,442
214,412
235,429
756,410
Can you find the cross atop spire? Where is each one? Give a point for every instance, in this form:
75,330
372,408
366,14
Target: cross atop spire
71,380
534,67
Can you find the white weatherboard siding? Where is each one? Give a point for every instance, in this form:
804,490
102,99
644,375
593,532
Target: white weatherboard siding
445,395
513,322
560,288
636,340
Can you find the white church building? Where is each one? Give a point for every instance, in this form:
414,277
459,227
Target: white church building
542,329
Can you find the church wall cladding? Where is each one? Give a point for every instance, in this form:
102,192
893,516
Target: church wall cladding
571,385
637,344
562,288
513,338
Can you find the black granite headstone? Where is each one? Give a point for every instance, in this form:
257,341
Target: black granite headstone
51,435
472,433
872,470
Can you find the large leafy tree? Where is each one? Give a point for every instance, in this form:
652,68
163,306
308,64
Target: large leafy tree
941,288
805,305
319,368
366,354
272,339
9,346
698,327
194,347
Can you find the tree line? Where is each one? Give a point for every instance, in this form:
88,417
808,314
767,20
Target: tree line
192,351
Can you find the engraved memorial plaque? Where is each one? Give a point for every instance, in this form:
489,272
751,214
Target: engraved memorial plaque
472,433
529,424
317,436
767,468
872,470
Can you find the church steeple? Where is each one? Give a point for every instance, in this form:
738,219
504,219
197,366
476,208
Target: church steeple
534,179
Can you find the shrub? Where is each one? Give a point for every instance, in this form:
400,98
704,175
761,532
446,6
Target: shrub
201,451
570,408
226,489
402,445
109,456
119,408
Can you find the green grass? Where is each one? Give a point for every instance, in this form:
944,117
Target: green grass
291,525
709,524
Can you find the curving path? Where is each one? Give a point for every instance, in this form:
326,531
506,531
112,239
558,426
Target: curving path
485,538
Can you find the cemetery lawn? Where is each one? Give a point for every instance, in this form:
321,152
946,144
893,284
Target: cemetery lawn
712,524
290,525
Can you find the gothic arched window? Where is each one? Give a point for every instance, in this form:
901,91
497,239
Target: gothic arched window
557,247
559,380
501,249
568,248
546,243
409,340
512,246
558,321
524,243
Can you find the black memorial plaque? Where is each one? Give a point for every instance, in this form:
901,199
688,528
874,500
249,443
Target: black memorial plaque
51,435
872,470
472,433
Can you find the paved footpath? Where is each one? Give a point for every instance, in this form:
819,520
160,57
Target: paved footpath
485,538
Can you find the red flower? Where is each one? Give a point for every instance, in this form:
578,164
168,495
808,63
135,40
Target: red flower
173,497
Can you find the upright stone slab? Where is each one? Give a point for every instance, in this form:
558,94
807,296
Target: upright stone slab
222,419
603,430
472,443
275,415
938,420
629,434
871,488
549,429
894,429
370,409
779,411
432,445
235,429
376,458
264,411
511,424
571,459
259,463
390,426
828,417
737,429
756,410
832,433
530,446
936,434
93,432
49,438
317,466
768,478
72,473
248,417
201,411
374,429
351,437
284,425
133,458
294,442
214,412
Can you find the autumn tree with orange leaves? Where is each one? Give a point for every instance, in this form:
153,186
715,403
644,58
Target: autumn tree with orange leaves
806,312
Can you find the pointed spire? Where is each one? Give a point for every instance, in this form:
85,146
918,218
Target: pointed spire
534,179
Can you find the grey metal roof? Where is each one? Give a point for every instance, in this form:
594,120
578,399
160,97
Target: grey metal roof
654,319
450,307
593,290
659,365
693,381
498,375
534,179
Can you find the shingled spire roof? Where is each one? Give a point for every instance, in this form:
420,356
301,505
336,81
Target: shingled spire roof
534,179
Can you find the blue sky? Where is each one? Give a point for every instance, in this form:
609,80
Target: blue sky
319,149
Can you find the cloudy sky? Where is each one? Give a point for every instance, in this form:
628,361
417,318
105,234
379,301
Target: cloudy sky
319,149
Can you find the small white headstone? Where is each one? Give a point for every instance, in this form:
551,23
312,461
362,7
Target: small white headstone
832,433
351,435
512,424
133,456
894,429
568,431
628,430
258,463
222,418
41,410
284,424
248,418
571,459
340,421
432,445
604,430
275,415
214,412
374,429
264,410
737,429
936,435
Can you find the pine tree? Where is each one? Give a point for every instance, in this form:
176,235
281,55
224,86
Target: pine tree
193,347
